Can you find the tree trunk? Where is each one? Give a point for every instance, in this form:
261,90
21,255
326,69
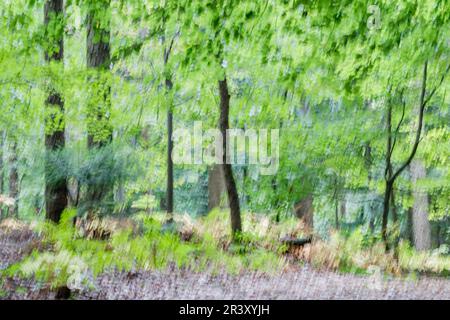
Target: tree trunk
420,224
13,181
304,210
169,85
98,35
55,188
408,234
336,203
233,198
393,207
390,176
336,214
98,58
169,165
216,186
99,105
389,182
386,202
169,155
246,196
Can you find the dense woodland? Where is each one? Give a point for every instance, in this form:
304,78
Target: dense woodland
91,92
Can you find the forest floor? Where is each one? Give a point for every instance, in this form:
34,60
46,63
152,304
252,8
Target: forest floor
299,282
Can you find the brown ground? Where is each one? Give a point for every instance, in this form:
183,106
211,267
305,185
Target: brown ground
299,283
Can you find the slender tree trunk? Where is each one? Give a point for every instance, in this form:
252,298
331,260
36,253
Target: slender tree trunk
13,181
387,199
395,222
169,86
390,175
336,204
394,207
169,165
420,224
233,198
55,188
99,105
409,226
389,183
274,178
246,196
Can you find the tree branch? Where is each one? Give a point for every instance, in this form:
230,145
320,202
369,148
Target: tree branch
398,125
437,86
420,124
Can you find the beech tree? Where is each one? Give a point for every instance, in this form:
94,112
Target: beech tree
212,29
98,59
56,186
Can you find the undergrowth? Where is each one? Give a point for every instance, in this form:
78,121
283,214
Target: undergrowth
74,260
359,253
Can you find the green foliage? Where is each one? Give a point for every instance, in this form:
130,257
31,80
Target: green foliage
306,68
76,261
323,72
